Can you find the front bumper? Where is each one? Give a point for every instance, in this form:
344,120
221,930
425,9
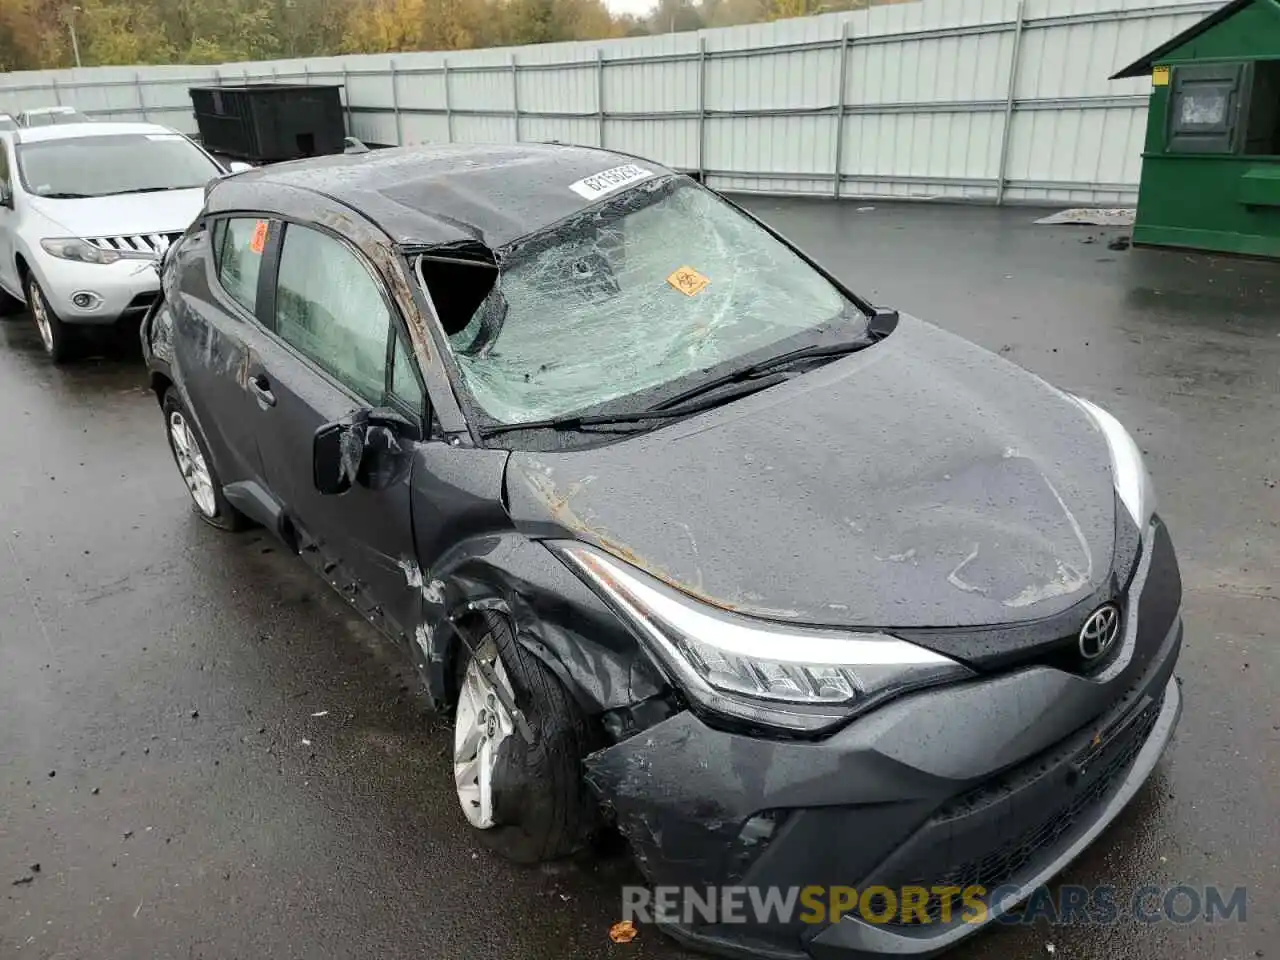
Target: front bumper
120,290
999,782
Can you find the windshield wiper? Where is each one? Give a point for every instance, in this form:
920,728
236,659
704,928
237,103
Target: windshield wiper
64,196
764,366
663,412
118,193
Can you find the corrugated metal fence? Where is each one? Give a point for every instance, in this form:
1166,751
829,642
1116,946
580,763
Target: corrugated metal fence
991,100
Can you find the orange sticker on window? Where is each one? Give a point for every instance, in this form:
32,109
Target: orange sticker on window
259,241
688,281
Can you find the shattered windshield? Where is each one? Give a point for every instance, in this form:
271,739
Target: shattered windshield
657,286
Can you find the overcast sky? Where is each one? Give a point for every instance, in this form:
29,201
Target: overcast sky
637,7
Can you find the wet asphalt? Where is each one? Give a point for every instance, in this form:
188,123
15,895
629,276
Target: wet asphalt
207,755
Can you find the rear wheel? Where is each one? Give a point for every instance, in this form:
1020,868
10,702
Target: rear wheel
57,337
194,463
527,802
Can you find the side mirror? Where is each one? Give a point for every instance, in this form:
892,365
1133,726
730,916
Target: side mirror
6,195
370,448
238,166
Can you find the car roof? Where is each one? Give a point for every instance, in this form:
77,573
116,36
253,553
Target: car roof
438,194
68,131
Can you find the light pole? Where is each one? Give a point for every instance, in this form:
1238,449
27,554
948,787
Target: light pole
71,25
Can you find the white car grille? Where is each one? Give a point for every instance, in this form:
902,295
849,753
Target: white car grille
147,243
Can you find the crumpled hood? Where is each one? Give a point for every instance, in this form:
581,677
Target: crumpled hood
921,482
126,215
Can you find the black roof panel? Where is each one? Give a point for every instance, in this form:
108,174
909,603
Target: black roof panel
437,194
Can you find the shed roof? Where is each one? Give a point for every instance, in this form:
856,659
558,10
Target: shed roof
1142,66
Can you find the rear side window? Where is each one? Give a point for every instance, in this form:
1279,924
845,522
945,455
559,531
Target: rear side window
329,306
238,246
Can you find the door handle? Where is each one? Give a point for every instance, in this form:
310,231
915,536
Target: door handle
261,388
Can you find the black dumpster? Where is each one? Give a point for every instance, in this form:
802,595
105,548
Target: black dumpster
268,122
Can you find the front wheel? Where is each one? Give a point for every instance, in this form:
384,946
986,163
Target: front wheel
194,463
527,802
56,336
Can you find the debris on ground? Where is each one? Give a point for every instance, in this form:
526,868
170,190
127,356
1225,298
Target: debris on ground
321,713
1050,949
624,931
1092,217
1120,243
34,868
23,880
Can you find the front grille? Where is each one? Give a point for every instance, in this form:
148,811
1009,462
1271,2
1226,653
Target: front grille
150,243
1011,859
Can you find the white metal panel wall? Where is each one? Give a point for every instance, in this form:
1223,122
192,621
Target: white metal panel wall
989,100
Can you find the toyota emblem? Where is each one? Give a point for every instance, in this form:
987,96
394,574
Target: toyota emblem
1100,631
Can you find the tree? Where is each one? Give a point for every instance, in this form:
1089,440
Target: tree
675,16
113,32
34,33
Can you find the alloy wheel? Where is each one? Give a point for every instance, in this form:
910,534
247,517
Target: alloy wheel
40,312
192,465
482,724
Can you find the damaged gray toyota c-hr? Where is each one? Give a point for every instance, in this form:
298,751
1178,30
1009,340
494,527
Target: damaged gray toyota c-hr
693,541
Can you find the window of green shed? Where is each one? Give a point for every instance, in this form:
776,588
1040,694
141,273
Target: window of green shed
1262,130
1204,107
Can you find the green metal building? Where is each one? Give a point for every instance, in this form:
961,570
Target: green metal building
1211,167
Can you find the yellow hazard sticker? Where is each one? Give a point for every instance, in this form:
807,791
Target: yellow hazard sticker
688,281
1160,77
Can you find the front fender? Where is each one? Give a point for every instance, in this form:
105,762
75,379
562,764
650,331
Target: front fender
553,614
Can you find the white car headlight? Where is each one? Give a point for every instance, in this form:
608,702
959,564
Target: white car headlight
73,248
796,678
1128,469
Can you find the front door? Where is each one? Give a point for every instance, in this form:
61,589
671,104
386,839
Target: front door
338,348
216,316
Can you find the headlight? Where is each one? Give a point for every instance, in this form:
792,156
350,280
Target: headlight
1128,470
795,678
72,248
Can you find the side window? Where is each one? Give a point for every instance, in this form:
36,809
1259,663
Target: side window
404,384
330,308
238,244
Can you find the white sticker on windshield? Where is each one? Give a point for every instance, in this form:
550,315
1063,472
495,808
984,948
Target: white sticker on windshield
606,181
163,136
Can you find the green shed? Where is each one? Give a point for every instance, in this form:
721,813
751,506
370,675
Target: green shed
1211,167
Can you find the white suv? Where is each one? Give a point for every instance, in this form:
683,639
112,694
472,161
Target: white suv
84,211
